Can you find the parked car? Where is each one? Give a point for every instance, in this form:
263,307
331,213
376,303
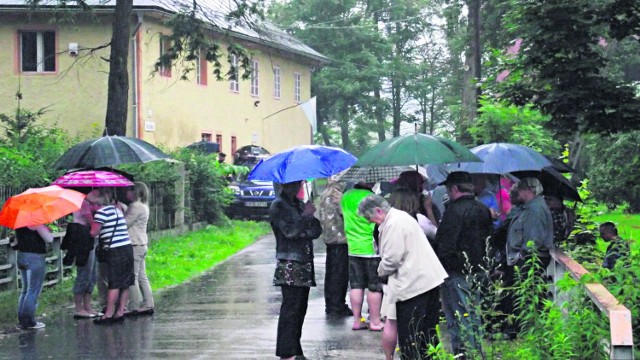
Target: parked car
252,198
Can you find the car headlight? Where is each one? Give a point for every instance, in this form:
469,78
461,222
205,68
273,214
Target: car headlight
235,189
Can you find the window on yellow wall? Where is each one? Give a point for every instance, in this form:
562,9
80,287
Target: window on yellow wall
37,51
165,45
297,79
234,86
254,77
276,82
219,141
206,137
201,69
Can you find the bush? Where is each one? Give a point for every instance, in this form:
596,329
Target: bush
207,185
28,150
501,122
613,169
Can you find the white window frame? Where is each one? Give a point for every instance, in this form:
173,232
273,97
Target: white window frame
255,79
234,85
164,70
276,82
40,51
297,81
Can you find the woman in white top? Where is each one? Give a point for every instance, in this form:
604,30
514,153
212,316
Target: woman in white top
137,216
407,201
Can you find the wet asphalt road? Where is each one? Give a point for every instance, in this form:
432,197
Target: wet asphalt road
229,313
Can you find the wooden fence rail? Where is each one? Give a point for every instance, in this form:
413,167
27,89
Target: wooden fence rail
620,343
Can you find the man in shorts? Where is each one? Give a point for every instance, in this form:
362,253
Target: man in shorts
363,259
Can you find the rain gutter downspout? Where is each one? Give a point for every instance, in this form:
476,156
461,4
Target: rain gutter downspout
135,76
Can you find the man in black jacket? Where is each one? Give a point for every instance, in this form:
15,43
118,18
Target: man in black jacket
460,242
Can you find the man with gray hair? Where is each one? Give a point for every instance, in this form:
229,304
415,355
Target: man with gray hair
533,223
414,274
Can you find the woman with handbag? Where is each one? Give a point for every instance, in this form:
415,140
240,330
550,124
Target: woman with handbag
81,245
115,252
137,216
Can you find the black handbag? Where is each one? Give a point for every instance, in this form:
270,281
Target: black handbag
102,253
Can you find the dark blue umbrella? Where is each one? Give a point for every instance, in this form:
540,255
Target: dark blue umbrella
301,163
502,158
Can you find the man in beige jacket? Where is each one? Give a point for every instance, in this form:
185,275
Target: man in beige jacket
414,274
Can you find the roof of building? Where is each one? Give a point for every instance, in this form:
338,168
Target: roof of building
212,12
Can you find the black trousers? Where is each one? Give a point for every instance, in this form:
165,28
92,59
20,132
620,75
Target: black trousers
292,312
417,319
336,277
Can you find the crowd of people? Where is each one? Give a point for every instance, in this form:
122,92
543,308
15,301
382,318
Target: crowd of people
107,242
410,256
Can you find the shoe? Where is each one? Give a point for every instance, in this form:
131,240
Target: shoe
131,313
37,326
103,320
363,325
78,315
145,312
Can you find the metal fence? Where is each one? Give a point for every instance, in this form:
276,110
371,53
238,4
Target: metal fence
55,271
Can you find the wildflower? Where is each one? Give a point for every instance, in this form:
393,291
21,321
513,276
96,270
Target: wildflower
465,314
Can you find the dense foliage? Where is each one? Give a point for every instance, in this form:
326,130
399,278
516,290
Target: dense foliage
502,122
613,166
28,149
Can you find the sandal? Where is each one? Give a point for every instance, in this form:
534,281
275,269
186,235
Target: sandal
103,320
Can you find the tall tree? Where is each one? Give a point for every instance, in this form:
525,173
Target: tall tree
561,68
427,85
342,32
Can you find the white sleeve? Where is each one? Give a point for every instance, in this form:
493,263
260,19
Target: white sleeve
427,226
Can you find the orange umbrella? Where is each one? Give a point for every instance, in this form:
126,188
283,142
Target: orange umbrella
39,206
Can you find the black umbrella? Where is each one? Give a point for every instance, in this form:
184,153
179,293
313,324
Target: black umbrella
205,147
108,151
553,182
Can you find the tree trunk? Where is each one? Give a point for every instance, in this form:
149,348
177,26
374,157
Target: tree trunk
472,75
432,111
344,127
118,93
323,130
379,115
395,102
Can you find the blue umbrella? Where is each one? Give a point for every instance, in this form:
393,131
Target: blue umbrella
502,158
301,163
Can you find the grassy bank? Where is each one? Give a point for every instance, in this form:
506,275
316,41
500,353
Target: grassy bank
628,224
171,261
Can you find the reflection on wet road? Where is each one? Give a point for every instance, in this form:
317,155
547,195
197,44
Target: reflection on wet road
229,313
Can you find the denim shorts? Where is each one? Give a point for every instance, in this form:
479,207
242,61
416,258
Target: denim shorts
363,273
86,276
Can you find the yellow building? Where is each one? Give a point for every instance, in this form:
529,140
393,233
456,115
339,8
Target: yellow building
59,62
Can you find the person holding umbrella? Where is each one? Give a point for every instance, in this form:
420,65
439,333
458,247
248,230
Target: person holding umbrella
32,251
294,227
27,212
137,216
111,227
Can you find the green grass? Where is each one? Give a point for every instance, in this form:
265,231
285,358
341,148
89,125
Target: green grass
171,261
628,224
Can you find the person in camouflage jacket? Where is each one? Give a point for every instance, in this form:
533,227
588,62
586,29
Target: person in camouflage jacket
336,278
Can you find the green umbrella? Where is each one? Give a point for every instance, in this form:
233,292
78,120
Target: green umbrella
416,149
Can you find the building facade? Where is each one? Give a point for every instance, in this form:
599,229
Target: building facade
62,65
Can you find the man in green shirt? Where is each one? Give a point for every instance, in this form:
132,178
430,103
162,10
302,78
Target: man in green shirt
363,259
